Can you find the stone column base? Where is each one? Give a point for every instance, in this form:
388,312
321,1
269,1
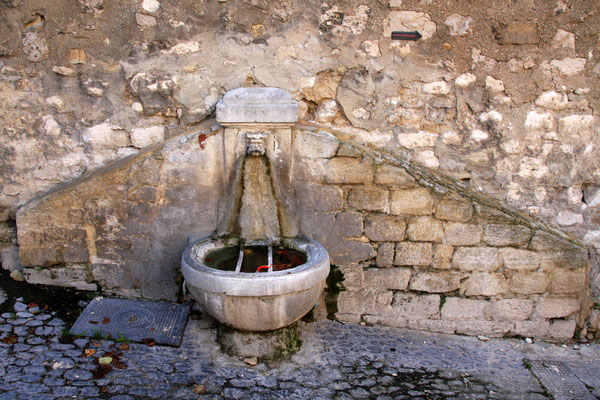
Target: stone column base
269,345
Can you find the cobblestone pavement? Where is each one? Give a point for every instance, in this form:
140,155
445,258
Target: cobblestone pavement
336,361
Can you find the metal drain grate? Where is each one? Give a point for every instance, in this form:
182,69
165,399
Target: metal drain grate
560,381
135,320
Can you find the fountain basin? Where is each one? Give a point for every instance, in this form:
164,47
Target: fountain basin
258,301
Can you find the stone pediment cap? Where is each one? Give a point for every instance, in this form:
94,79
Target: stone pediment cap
257,105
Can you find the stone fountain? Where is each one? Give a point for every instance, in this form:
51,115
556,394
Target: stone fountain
256,275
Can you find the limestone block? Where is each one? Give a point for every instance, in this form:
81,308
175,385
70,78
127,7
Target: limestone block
511,309
103,135
367,300
564,260
383,227
413,254
520,32
350,251
389,175
562,329
536,329
529,283
545,241
518,259
553,307
320,87
465,80
327,111
437,87
476,259
458,25
435,282
350,318
487,328
564,39
569,66
573,125
567,218
483,284
331,228
454,210
71,276
426,229
456,308
349,170
417,140
413,202
442,256
427,158
385,254
506,235
143,137
145,20
151,5
552,100
568,282
494,85
370,198
257,105
388,278
354,276
10,259
432,325
77,56
410,21
315,144
415,306
459,234
320,198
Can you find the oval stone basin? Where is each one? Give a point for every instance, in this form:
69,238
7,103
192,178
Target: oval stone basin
255,301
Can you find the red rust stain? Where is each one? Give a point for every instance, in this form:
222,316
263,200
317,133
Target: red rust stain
202,140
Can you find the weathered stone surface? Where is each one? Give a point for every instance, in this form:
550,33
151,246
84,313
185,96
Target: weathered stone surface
432,325
442,256
388,278
145,20
564,260
476,259
529,283
10,259
354,276
456,308
315,144
568,282
104,135
437,87
417,140
350,251
544,241
72,276
416,254
561,329
552,307
569,66
465,80
482,284
536,329
410,305
385,254
487,328
552,100
520,259
143,137
367,300
563,38
458,25
349,170
573,125
396,177
493,85
412,202
320,198
453,210
426,229
410,21
511,309
435,282
506,235
370,198
383,227
459,234
521,32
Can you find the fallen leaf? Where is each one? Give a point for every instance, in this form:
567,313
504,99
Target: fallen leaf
31,305
148,341
103,389
251,360
101,371
89,352
97,344
94,322
123,347
119,364
105,360
105,321
10,339
199,389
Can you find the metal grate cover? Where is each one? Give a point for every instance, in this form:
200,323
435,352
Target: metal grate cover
136,320
560,381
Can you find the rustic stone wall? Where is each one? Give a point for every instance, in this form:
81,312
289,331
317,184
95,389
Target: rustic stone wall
502,96
420,252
